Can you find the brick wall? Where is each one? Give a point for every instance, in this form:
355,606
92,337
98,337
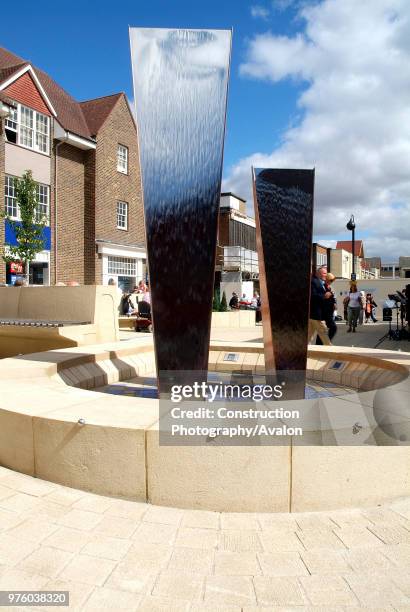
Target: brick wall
111,185
70,214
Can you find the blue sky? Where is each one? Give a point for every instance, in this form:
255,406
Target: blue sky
314,83
87,52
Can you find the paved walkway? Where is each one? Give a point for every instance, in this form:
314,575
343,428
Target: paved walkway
122,555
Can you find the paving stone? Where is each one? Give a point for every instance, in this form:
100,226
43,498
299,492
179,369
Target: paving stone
240,541
398,554
279,591
392,534
106,547
358,537
33,530
179,585
79,592
5,492
236,564
326,561
35,487
104,598
116,527
316,539
65,538
327,590
155,534
203,607
20,502
229,590
198,561
165,516
401,578
12,551
197,538
365,560
147,556
25,581
127,576
9,519
350,518
277,541
200,519
282,564
163,604
279,522
65,496
80,519
87,569
48,510
45,561
376,590
93,503
239,521
383,515
127,509
312,521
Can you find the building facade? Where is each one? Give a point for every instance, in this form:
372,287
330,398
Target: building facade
84,159
237,267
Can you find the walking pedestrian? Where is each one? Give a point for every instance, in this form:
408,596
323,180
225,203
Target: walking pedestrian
370,308
329,307
318,299
354,306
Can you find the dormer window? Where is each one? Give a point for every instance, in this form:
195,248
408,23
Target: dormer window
28,128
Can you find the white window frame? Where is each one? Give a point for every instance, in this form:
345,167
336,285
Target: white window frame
34,133
121,266
43,196
122,215
122,159
8,188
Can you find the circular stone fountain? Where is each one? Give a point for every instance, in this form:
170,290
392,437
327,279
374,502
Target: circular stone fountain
59,423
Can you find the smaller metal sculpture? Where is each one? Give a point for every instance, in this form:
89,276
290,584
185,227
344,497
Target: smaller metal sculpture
284,216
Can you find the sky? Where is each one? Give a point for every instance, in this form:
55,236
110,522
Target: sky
313,83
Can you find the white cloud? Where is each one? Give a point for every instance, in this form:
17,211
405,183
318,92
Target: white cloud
259,12
354,58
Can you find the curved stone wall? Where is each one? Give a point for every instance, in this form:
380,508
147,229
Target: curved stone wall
54,426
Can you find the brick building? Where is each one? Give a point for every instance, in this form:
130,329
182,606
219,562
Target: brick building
84,158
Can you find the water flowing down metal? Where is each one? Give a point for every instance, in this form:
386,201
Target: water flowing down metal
180,90
284,216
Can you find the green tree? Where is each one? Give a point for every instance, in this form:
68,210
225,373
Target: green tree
224,306
29,231
216,304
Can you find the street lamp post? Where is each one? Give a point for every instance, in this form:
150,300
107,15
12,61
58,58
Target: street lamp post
351,226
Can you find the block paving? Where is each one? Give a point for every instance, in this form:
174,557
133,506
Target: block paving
123,555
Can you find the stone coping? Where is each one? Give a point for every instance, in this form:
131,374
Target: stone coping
54,426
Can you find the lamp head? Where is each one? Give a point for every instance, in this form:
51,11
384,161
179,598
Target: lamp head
351,224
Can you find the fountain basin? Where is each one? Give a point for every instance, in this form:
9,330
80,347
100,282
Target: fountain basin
55,425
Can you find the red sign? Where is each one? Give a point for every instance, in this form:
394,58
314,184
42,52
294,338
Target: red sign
16,268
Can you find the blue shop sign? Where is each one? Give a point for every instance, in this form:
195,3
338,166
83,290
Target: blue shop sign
10,237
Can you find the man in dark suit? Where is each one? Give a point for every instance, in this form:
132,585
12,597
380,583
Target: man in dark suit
318,300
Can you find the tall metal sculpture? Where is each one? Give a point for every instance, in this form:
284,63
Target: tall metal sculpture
180,90
284,215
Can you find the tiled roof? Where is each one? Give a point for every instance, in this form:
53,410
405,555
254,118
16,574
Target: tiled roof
347,246
96,111
74,116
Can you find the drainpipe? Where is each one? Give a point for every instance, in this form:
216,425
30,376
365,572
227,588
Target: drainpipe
55,210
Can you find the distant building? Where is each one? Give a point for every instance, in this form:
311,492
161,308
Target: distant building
320,256
237,266
404,266
400,269
341,261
